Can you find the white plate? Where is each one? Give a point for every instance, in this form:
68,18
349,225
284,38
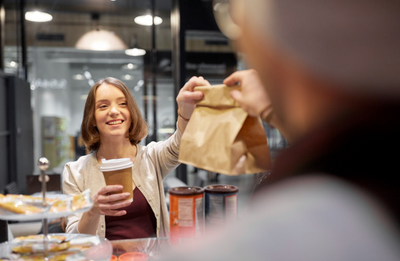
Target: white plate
101,251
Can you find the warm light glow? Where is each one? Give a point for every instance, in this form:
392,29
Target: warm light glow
129,66
100,40
78,77
135,52
128,77
37,16
148,20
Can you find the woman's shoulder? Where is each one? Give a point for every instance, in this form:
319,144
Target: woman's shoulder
146,150
144,153
83,162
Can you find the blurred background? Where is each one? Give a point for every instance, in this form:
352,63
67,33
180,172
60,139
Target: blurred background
49,61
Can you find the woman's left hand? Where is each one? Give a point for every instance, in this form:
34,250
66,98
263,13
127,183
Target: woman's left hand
187,99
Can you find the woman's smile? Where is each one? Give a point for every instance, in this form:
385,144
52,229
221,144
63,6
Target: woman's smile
115,122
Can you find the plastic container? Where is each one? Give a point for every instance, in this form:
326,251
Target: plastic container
186,213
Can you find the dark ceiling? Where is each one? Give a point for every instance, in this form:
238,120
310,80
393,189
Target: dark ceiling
94,6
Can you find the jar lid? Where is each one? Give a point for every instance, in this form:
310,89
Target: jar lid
221,189
115,164
186,191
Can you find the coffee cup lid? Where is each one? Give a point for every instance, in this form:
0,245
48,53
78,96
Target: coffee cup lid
115,164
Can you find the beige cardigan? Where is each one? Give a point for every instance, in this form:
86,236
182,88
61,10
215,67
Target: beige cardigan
153,162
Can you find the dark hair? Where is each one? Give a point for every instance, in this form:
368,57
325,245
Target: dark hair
90,134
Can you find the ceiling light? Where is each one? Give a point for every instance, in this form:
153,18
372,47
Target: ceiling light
138,85
100,40
128,77
129,66
78,77
88,75
91,82
135,52
38,16
13,64
148,20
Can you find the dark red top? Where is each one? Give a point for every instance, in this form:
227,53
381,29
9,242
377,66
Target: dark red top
139,221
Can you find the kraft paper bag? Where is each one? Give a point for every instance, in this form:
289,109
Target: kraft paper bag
221,137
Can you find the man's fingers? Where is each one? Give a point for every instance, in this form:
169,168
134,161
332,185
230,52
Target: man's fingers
237,96
233,78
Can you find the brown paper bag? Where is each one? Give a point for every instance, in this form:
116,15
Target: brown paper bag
222,138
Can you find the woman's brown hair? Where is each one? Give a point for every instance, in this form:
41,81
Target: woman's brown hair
89,132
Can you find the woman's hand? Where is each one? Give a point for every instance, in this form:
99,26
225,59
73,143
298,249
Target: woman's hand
105,203
253,98
187,99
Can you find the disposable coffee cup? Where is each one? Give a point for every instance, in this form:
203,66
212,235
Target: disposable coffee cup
118,172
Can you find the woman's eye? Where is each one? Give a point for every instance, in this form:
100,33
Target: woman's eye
123,103
102,106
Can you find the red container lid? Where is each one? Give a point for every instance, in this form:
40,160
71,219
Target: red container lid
113,258
186,191
221,189
133,256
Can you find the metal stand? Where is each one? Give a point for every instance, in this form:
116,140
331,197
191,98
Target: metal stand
43,164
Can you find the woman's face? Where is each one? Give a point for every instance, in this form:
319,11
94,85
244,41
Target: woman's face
111,112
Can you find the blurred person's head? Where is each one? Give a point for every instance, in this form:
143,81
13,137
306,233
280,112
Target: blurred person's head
90,132
318,58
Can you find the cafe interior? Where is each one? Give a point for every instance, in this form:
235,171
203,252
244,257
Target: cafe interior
114,147
51,54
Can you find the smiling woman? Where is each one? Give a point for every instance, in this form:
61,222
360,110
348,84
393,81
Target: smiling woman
100,97
112,128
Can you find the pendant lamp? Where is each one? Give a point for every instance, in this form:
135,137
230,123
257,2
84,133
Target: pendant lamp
134,50
147,20
100,39
38,16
